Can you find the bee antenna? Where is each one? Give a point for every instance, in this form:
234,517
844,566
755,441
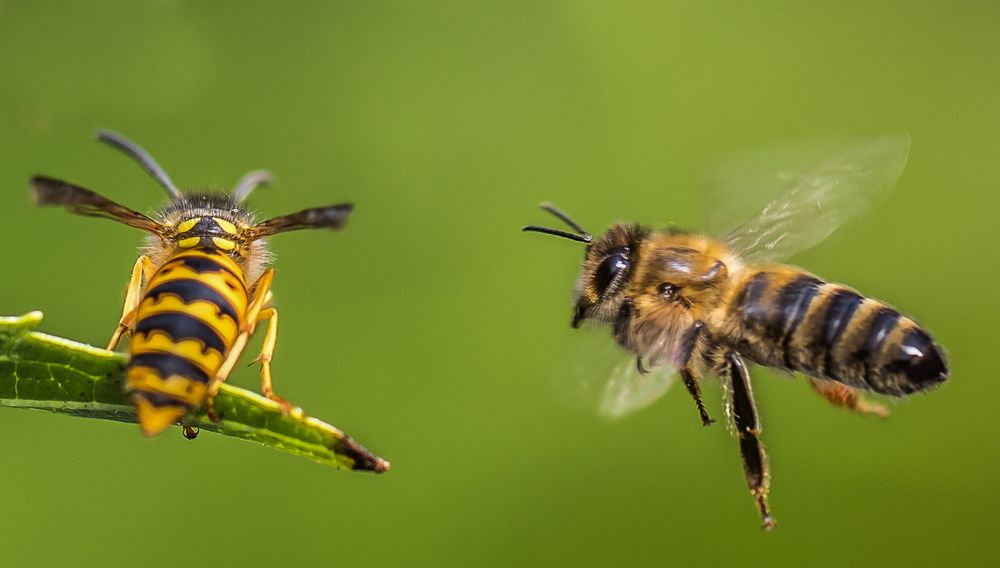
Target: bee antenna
250,182
147,162
581,235
565,218
584,238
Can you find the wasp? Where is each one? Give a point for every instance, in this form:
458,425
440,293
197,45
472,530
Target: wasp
198,290
687,304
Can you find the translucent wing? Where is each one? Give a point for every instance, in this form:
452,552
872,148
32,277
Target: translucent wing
818,198
600,377
628,391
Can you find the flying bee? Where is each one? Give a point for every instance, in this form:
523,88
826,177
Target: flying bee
197,292
686,304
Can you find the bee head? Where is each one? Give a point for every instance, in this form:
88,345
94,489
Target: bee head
607,267
607,264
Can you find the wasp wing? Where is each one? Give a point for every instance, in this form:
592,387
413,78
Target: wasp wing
331,217
51,191
818,199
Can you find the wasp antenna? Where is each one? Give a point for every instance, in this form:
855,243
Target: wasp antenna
250,182
584,238
137,153
565,218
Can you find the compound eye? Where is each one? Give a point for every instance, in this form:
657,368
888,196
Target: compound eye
608,271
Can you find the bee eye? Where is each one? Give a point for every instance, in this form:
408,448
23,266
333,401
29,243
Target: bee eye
608,270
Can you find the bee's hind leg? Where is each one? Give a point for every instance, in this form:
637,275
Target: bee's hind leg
744,414
844,396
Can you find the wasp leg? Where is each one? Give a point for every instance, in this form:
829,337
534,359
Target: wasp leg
844,396
261,293
744,413
141,273
690,374
266,353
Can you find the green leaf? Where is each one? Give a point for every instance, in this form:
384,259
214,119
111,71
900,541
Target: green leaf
59,375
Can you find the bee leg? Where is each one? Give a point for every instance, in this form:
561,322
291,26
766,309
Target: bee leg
141,272
744,413
844,396
261,293
266,353
689,374
640,367
691,381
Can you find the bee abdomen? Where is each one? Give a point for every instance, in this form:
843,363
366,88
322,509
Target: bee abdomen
797,322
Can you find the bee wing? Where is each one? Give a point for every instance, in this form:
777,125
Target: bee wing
628,391
600,378
818,199
51,191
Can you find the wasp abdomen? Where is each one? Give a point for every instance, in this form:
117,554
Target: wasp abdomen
795,321
185,326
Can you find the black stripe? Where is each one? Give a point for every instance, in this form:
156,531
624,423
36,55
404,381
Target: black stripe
879,328
839,311
794,301
193,290
167,364
749,301
201,265
180,326
159,399
210,251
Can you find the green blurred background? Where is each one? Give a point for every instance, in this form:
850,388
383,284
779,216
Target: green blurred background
437,334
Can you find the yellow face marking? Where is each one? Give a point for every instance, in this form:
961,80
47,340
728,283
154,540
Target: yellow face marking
224,244
188,225
189,243
225,225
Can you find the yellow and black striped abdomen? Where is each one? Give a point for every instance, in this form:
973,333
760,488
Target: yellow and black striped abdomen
792,320
185,326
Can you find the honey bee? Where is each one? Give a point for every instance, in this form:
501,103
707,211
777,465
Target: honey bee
197,292
686,304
